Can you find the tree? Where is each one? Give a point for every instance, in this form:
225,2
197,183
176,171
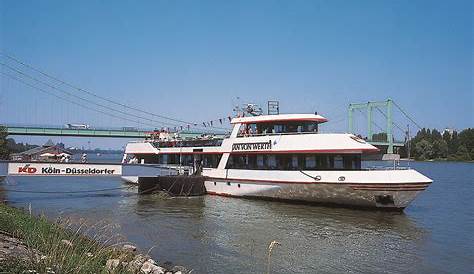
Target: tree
382,136
423,150
435,135
453,144
4,151
440,149
466,139
447,137
431,144
463,154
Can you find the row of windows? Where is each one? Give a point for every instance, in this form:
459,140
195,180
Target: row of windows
277,128
295,161
206,160
263,161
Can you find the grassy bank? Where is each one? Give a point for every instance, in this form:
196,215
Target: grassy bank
59,247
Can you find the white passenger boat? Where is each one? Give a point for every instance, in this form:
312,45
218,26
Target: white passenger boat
284,157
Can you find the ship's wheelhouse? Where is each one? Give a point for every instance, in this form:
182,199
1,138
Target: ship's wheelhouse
281,124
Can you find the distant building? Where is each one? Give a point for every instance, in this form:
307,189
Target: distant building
49,152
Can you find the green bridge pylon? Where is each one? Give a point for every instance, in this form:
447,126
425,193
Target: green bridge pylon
369,106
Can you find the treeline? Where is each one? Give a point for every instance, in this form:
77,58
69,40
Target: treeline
9,146
4,151
15,147
452,146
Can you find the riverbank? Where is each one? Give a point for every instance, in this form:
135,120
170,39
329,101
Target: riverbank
34,244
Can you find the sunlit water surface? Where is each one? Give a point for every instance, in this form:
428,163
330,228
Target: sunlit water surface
212,234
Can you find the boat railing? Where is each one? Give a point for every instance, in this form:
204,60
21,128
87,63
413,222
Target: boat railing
387,168
274,134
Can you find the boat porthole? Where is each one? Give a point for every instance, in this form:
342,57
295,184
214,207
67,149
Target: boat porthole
238,185
214,183
228,183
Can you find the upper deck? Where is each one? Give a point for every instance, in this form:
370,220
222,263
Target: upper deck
284,133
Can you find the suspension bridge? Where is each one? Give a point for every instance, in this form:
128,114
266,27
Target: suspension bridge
69,94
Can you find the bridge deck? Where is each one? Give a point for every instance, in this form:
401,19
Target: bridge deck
58,131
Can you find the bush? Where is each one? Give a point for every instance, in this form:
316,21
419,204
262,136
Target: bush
63,247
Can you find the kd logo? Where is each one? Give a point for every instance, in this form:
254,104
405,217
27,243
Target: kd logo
27,169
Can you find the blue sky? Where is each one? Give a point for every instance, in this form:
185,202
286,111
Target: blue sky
191,59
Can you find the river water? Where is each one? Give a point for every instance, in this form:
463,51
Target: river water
212,234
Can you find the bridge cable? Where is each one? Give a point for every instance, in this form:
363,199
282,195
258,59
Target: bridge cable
83,99
89,101
98,96
406,115
72,102
395,124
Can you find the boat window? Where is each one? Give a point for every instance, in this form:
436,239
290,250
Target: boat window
338,162
260,161
294,162
187,159
211,160
271,162
278,129
310,161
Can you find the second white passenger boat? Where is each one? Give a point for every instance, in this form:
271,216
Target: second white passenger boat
283,157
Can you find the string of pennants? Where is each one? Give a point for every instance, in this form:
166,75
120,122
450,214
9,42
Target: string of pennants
210,124
220,120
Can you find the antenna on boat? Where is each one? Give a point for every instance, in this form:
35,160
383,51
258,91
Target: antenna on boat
237,109
408,144
273,107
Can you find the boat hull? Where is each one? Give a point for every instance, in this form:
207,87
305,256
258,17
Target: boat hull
335,194
130,179
380,189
